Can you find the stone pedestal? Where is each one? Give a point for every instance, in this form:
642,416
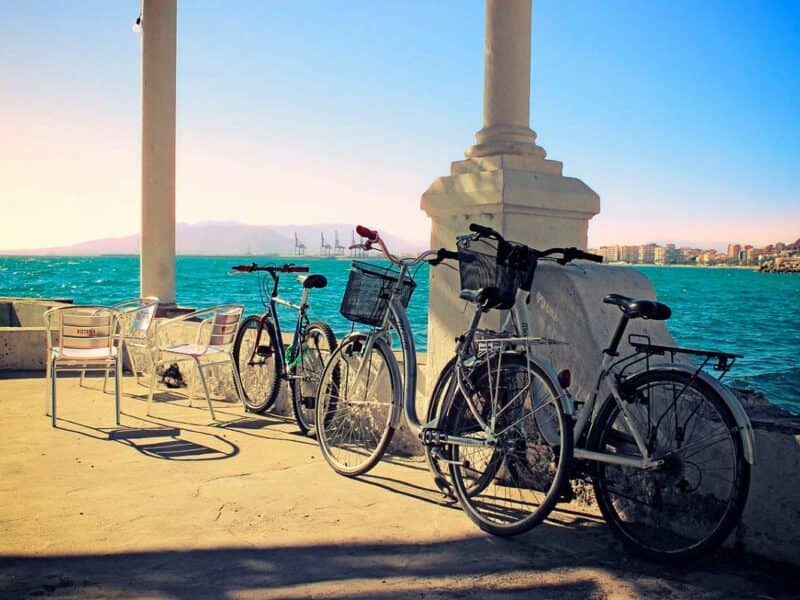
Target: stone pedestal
524,197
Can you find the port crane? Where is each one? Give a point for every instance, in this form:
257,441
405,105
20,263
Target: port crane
299,247
338,249
324,248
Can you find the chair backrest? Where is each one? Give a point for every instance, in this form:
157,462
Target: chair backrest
136,317
81,327
224,325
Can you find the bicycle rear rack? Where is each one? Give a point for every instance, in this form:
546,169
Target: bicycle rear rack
488,341
644,349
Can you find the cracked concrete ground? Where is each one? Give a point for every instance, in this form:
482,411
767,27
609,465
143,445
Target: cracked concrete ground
171,506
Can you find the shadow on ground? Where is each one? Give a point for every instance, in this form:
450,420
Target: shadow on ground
471,567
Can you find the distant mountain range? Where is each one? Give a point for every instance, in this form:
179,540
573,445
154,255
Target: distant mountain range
229,238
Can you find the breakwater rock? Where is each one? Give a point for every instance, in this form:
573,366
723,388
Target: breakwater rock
781,264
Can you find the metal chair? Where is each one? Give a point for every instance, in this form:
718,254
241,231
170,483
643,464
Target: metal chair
85,341
135,323
213,345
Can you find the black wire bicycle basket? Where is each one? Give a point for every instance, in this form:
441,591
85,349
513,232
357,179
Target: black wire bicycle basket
489,265
369,288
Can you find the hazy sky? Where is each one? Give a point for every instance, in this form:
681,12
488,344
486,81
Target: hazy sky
683,115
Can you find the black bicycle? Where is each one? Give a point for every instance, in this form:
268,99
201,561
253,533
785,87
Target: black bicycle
262,358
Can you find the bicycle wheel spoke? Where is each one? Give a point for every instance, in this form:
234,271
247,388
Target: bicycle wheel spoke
509,487
354,413
691,499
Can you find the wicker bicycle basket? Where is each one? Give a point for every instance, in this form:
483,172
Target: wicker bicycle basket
369,289
484,264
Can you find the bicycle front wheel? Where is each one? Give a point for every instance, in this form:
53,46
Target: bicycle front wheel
315,350
690,503
511,484
259,368
437,406
355,405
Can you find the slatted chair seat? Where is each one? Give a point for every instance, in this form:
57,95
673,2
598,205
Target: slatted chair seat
213,345
192,350
83,354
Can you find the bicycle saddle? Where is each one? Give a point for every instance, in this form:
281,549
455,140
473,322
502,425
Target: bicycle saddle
314,281
647,309
486,296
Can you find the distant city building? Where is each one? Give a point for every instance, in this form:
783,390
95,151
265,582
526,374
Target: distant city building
629,254
647,254
766,257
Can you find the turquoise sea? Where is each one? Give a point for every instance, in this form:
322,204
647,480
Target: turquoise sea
736,310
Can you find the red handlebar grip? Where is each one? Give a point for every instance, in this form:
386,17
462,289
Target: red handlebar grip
368,233
296,269
242,268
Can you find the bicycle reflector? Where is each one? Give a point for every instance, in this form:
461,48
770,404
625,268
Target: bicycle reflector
565,378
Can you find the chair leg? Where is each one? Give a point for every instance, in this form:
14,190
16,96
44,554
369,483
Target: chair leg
53,393
238,382
47,389
205,389
152,386
117,382
83,372
132,360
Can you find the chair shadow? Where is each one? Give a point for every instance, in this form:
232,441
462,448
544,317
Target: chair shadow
170,443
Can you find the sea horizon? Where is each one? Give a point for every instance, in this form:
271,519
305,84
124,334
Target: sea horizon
720,308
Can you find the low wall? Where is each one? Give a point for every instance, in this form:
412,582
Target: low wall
23,340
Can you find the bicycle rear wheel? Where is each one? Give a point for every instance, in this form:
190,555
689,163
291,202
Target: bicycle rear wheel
315,351
691,503
510,486
355,405
260,372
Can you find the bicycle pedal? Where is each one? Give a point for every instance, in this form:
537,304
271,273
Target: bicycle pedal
265,351
443,486
566,493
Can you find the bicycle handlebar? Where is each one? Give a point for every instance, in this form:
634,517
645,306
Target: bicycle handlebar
287,268
568,254
366,232
485,232
443,254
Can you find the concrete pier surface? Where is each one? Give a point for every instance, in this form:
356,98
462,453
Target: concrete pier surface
173,506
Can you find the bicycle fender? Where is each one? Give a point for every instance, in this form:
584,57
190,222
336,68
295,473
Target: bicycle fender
731,401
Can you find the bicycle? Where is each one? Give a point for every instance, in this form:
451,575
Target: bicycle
262,358
359,410
668,450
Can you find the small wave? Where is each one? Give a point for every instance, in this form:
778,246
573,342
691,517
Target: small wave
780,387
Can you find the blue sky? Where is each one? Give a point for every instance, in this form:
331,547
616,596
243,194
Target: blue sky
683,116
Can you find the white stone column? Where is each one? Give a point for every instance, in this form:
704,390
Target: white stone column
507,82
159,33
506,181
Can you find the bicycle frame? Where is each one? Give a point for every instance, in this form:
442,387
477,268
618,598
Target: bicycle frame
271,313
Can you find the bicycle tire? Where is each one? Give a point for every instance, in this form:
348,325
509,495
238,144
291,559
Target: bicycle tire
538,465
666,523
261,378
440,470
316,349
346,425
